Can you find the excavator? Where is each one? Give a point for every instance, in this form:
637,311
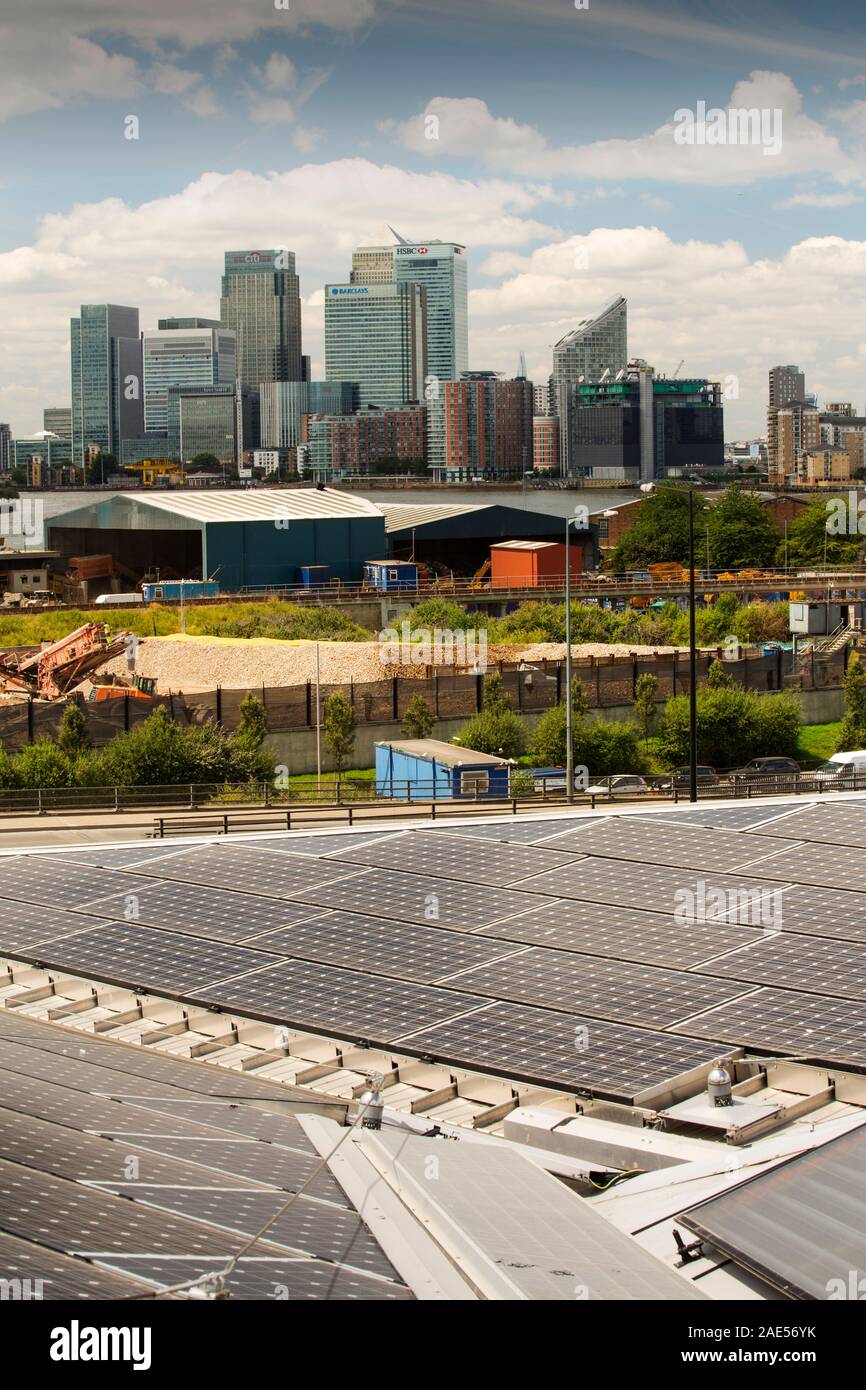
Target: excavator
59,666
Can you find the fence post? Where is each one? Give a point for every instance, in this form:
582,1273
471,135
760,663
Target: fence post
39,810
29,718
395,698
219,704
126,714
117,798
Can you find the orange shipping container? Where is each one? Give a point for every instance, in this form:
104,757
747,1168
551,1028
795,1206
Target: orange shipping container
530,564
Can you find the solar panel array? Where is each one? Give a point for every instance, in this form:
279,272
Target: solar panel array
491,945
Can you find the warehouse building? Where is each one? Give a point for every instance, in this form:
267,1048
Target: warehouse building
459,535
243,539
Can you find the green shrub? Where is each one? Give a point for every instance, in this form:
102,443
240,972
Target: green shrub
733,726
497,730
43,764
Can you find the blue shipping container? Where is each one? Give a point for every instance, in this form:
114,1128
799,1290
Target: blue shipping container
426,769
171,589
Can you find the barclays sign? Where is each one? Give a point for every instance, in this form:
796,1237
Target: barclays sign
350,289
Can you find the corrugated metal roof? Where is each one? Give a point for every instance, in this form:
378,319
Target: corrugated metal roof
446,753
523,545
401,516
229,505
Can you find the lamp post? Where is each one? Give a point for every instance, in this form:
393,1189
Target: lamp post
693,660
569,707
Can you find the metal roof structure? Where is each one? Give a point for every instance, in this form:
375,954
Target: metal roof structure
180,509
445,753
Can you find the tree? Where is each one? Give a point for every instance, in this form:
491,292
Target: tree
497,730
645,692
73,736
43,764
810,541
252,725
101,467
660,530
202,461
493,693
733,726
852,733
338,728
418,719
741,531
717,677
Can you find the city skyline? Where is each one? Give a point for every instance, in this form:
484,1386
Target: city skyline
557,162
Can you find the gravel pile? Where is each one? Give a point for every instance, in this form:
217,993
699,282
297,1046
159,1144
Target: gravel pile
201,663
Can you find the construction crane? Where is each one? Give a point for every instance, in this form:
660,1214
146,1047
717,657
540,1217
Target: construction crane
59,666
680,367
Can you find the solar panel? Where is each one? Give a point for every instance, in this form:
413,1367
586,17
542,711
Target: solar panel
796,962
248,870
27,924
709,897
345,1002
802,1225
828,866
622,933
823,912
266,1277
61,1277
591,987
386,948
294,842
109,857
514,831
725,817
227,1161
144,958
448,856
780,1020
419,898
37,879
682,846
837,824
209,912
548,1048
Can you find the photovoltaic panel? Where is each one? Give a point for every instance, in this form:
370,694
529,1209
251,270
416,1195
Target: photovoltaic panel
109,857
662,888
146,958
38,879
220,1161
209,912
678,846
835,824
590,987
385,948
515,831
821,966
621,933
344,1002
780,1020
823,912
61,1277
828,866
540,1045
294,842
419,898
743,817
263,1277
447,856
23,925
248,870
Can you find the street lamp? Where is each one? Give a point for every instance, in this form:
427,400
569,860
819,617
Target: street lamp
569,706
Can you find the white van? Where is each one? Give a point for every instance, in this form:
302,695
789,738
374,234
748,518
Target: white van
844,767
120,601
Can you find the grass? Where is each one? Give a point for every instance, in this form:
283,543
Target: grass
817,741
265,619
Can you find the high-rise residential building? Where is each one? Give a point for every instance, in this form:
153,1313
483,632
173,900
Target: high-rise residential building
641,427
57,419
440,267
6,459
480,427
545,443
375,336
786,384
597,348
284,404
107,404
183,357
261,304
354,443
541,394
794,429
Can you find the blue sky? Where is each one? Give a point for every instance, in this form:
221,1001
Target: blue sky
553,157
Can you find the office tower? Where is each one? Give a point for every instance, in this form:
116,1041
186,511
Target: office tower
284,404
219,420
480,427
183,357
57,419
640,427
375,337
107,404
440,267
596,348
5,449
306,368
169,325
261,304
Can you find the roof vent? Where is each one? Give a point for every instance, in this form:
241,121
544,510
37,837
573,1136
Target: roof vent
719,1086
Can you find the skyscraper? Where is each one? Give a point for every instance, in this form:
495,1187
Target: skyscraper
183,357
440,267
261,304
57,419
107,396
787,387
595,347
375,337
285,403
786,384
5,449
480,427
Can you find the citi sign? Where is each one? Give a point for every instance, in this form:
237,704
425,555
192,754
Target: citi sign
350,289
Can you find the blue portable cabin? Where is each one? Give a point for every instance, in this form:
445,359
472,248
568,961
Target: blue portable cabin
314,576
388,576
417,769
171,589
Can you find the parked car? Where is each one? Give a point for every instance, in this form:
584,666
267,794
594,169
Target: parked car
767,770
844,767
680,779
621,784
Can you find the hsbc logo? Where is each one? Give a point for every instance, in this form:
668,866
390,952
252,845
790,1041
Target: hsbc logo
412,250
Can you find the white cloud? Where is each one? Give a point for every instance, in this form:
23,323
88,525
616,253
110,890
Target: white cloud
847,82
271,110
306,138
853,116
465,126
280,71
819,200
166,255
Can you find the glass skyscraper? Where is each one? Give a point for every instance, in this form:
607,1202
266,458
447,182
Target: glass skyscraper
284,404
595,347
440,268
375,336
107,395
261,304
183,357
